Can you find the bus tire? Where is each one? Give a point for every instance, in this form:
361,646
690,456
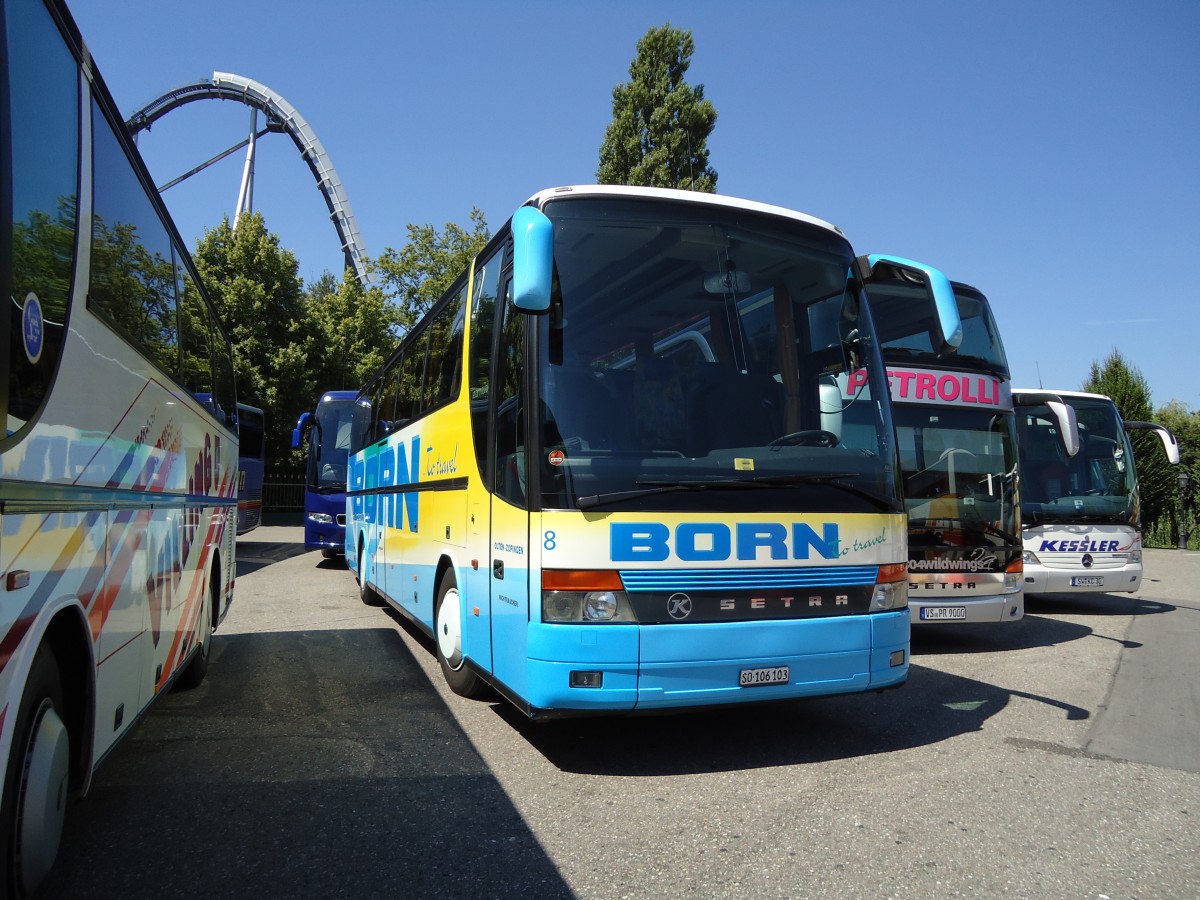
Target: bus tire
197,669
37,782
366,593
448,634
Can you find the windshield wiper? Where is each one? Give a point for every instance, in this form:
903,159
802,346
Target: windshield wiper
1099,518
664,487
761,481
998,532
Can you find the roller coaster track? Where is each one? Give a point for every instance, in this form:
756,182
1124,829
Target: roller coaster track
281,116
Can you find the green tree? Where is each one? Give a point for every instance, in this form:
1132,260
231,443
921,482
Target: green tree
357,327
417,275
659,132
260,298
1130,391
1185,425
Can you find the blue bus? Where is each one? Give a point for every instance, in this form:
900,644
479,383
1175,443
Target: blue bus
325,434
251,460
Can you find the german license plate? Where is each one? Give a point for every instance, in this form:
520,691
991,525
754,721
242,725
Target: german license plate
758,677
939,613
1087,581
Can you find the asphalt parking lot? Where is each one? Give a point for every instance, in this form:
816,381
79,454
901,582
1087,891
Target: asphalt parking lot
323,756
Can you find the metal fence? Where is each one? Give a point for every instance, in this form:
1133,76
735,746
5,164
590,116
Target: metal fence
283,491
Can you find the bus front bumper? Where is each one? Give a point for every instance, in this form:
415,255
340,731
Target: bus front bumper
985,609
1041,579
632,667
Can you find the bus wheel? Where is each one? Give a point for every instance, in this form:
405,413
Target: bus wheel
366,593
193,675
37,782
448,628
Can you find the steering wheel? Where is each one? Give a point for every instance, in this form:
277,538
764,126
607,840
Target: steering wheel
814,437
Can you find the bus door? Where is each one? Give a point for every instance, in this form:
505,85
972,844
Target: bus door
510,548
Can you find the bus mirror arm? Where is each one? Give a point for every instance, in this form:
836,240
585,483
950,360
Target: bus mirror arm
1064,415
948,331
1169,442
298,431
1068,428
533,260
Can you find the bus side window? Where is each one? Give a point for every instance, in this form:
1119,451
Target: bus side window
444,374
411,376
43,148
385,401
483,318
510,405
133,261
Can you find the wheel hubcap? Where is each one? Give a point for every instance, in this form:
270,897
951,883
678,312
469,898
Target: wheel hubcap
449,634
43,796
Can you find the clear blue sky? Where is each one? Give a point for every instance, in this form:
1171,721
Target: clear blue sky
1046,152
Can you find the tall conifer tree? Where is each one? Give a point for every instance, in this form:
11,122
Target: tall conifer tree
659,132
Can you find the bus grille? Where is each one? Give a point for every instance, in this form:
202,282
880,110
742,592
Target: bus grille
643,580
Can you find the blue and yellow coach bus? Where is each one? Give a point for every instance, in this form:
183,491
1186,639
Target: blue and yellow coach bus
614,469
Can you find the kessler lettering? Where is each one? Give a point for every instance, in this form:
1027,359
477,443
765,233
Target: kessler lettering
1083,546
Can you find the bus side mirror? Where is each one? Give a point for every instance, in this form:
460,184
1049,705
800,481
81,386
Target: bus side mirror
948,324
533,259
830,396
1068,427
298,431
1170,444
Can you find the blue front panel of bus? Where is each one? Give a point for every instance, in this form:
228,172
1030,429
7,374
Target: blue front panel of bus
661,666
319,535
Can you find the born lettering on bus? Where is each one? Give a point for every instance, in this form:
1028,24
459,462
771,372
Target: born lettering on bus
714,541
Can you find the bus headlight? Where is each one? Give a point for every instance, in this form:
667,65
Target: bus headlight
1014,576
1135,557
320,518
891,588
561,606
1030,558
586,606
599,606
584,596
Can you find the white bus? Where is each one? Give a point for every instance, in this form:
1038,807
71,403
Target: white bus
1080,507
117,483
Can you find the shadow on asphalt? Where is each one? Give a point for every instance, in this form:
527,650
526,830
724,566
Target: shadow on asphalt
1024,634
290,773
255,555
1094,605
931,708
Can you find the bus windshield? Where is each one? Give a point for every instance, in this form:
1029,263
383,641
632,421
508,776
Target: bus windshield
1098,485
959,468
329,444
905,326
694,355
